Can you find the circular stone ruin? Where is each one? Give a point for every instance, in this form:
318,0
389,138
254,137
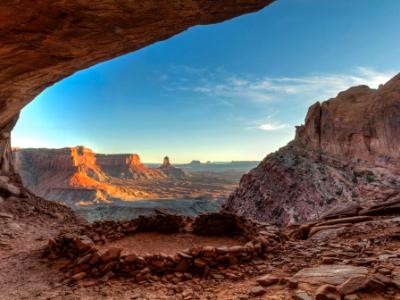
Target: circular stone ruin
149,247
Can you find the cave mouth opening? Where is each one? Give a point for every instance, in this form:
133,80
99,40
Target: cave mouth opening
101,98
95,37
60,39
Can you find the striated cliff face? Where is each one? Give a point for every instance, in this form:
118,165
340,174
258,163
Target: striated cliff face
361,122
78,174
126,166
346,154
61,166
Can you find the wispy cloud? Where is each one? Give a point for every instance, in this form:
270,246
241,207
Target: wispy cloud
272,126
220,85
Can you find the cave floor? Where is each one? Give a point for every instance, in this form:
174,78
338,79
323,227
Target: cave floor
143,243
25,274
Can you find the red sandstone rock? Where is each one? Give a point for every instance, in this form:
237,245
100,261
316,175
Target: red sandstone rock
267,280
200,262
353,284
327,292
83,243
360,122
345,155
111,254
94,258
78,173
84,259
130,258
329,274
169,170
126,166
209,251
79,276
108,267
10,188
183,266
257,291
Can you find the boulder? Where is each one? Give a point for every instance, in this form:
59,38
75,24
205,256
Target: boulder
83,243
182,266
327,292
10,188
111,255
267,280
200,263
130,258
301,295
316,229
257,291
329,274
353,284
4,215
79,276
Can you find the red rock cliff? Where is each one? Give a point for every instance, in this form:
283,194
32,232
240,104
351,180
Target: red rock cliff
360,122
58,166
345,153
126,166
78,174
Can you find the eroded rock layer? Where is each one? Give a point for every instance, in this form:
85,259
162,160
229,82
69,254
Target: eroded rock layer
345,154
360,123
126,166
78,174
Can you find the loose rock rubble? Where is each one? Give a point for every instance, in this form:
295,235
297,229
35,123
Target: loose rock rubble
84,259
343,256
363,262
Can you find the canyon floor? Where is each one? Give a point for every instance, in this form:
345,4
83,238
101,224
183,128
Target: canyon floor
114,186
358,256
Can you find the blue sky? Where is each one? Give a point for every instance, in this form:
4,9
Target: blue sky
230,91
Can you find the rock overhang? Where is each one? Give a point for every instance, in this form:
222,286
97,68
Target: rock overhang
43,42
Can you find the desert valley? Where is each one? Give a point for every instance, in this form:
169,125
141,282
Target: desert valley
118,186
318,218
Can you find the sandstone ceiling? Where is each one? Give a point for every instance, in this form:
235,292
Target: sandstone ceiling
44,41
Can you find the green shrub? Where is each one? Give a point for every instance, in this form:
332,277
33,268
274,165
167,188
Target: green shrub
296,160
354,177
370,177
258,203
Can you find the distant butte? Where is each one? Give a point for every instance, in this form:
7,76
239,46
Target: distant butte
168,169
